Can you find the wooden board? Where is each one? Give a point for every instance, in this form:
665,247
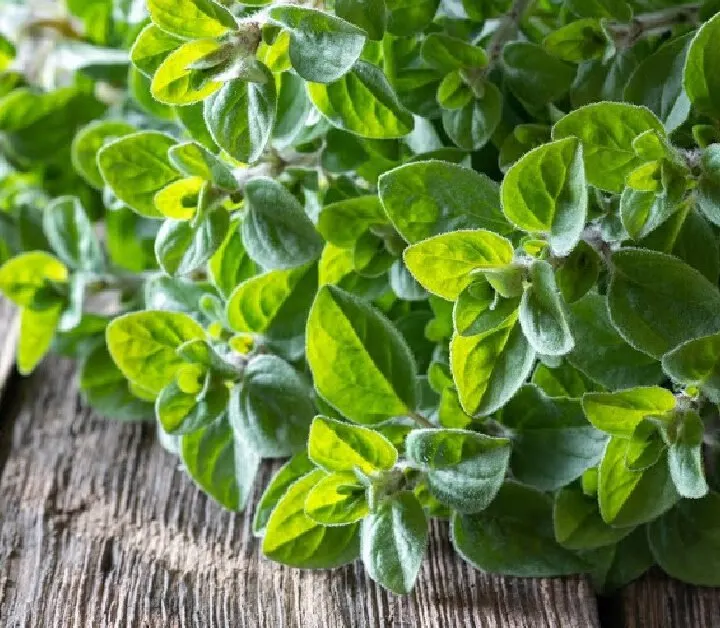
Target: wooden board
100,527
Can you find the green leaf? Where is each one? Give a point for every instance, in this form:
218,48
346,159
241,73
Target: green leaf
685,457
514,536
428,198
579,272
471,125
360,363
534,75
545,193
553,444
620,413
542,313
89,140
337,446
292,538
578,524
136,167
562,381
393,544
446,53
181,413
577,41
678,302
616,9
194,160
406,17
708,191
24,277
322,47
298,466
489,368
272,407
685,541
274,304
144,344
607,131
182,247
37,330
191,19
657,83
696,363
362,102
276,231
337,499
177,82
230,265
71,234
220,463
701,83
180,198
479,309
444,264
601,353
105,389
343,222
465,470
151,48
369,15
629,498
241,115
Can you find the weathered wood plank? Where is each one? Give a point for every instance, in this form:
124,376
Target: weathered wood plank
9,326
99,527
658,601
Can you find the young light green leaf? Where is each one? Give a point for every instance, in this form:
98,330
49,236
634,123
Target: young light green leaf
182,413
685,457
136,167
702,84
71,234
89,140
37,330
545,193
272,408
322,47
362,102
144,344
607,131
292,538
424,199
619,413
220,463
629,498
276,231
337,446
191,19
514,536
298,466
489,368
685,541
194,160
446,53
337,499
471,122
241,115
479,309
678,302
465,470
696,363
230,265
360,363
151,48
393,542
580,40
24,277
176,82
343,222
542,313
444,264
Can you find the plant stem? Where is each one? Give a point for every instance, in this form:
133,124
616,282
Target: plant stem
655,23
505,32
421,420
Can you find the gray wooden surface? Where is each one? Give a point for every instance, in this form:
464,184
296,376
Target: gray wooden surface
99,527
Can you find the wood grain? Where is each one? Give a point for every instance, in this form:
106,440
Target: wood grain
99,527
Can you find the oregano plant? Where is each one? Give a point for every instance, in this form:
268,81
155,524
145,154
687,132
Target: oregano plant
452,259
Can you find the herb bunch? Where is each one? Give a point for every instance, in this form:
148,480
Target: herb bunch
456,259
